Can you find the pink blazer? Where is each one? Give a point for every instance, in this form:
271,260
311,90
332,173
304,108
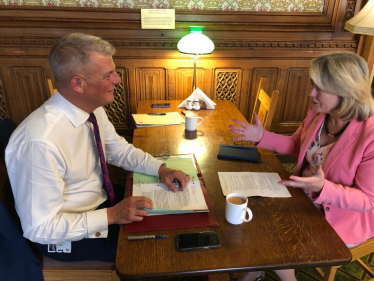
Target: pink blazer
348,193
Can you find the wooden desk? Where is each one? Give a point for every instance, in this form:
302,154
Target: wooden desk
284,232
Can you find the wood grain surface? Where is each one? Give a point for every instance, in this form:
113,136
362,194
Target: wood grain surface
284,232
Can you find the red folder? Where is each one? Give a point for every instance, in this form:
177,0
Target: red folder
174,221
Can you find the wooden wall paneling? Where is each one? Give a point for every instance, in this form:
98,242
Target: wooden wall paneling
151,84
296,101
281,87
208,82
275,45
3,106
30,91
184,81
228,85
344,12
119,111
132,88
271,75
245,94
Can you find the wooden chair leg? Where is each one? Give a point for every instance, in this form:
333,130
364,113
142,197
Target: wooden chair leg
365,267
330,273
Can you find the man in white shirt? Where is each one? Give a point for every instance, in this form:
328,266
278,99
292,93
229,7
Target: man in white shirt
54,165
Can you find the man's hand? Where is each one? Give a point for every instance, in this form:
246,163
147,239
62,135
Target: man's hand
314,183
129,210
247,131
168,175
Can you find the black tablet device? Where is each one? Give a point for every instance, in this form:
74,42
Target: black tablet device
238,152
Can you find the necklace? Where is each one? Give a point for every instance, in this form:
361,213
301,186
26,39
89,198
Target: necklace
327,130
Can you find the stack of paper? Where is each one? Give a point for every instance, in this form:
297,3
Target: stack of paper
191,200
145,120
198,94
252,184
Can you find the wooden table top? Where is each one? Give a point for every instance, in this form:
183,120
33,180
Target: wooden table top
284,232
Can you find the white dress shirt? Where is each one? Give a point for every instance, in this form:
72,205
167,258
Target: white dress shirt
54,169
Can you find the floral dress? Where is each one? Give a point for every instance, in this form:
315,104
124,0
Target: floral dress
316,155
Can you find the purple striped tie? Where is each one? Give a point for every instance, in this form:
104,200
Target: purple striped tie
108,186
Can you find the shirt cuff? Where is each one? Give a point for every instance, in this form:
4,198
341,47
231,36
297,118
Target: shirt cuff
97,224
153,166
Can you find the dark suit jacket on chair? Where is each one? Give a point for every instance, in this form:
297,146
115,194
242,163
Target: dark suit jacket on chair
17,260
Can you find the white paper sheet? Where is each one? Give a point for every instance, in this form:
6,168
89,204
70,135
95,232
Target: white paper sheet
145,120
190,199
252,184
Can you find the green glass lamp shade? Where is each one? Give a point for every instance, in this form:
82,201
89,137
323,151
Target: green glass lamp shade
196,42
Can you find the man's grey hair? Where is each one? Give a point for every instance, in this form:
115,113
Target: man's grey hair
71,54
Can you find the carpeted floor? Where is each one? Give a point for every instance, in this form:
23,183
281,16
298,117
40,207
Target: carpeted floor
345,273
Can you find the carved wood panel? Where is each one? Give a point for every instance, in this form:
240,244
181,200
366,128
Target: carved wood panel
118,111
30,90
151,84
228,84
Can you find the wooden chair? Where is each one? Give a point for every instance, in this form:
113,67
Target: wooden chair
265,105
358,252
50,87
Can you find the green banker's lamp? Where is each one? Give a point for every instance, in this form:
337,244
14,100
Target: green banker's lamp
195,44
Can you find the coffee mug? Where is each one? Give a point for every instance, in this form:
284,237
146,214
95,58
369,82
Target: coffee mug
191,122
236,208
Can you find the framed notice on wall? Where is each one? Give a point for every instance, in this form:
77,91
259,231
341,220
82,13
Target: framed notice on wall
158,18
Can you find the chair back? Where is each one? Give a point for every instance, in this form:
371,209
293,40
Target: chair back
265,105
50,87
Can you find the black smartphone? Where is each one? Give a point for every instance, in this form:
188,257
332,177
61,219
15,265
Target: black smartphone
160,105
198,241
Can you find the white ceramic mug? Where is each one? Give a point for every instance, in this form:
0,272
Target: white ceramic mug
236,208
191,122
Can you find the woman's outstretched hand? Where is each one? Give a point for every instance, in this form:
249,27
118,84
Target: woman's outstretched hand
248,132
314,183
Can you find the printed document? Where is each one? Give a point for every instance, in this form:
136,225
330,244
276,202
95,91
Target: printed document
190,200
252,184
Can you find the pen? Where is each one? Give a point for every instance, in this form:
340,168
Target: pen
156,113
143,237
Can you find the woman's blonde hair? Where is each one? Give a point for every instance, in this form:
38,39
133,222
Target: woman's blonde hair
71,54
346,75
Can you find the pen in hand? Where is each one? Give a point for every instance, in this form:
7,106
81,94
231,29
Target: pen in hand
144,237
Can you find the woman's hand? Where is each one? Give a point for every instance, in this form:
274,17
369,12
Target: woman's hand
247,131
314,183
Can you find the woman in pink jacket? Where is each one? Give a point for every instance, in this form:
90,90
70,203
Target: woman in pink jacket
335,145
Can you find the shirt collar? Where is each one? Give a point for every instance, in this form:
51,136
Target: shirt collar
75,115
